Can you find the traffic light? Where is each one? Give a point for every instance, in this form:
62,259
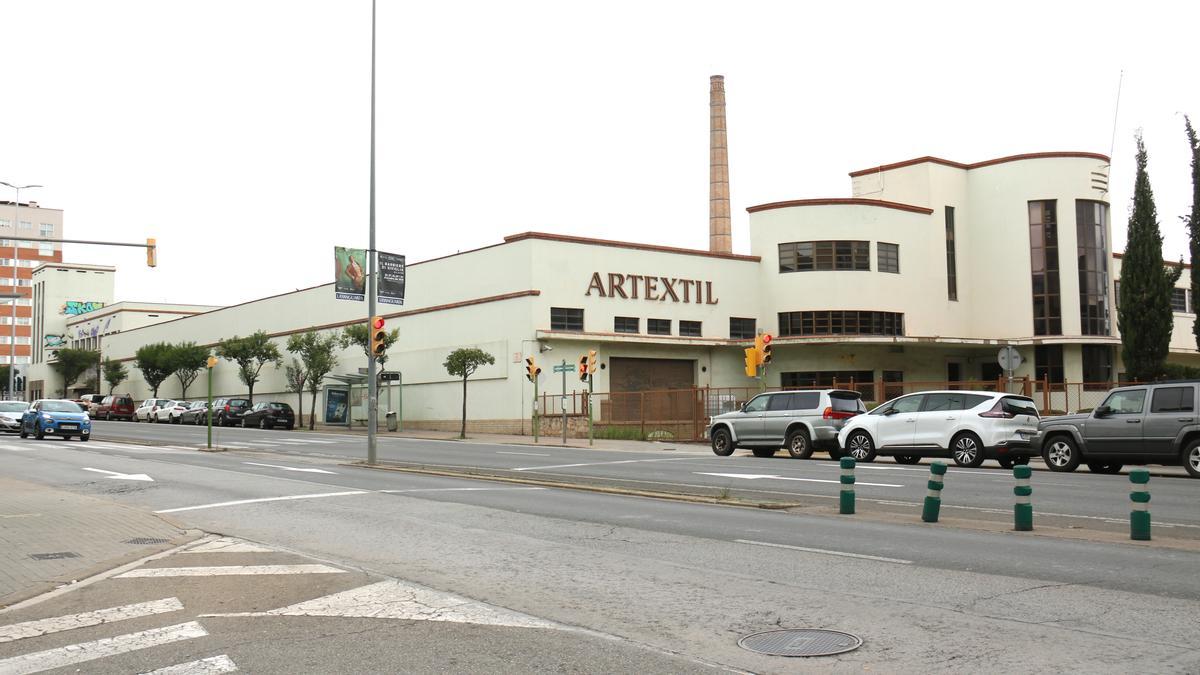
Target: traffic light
583,368
592,362
531,370
151,252
751,362
378,337
764,352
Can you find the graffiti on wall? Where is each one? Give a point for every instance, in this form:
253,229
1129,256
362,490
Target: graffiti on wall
54,341
82,332
77,307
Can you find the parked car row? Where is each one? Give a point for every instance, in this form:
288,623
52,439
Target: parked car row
45,417
227,411
1145,424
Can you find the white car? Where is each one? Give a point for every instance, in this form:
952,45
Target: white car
968,426
170,411
146,409
10,415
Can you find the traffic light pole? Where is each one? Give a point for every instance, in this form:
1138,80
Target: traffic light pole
591,382
536,421
563,400
210,407
372,384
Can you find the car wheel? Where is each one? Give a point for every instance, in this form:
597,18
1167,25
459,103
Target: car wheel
244,423
39,433
799,445
23,432
860,446
722,443
967,450
908,459
1061,454
290,427
85,437
1191,458
262,423
835,454
1104,467
764,452
1005,462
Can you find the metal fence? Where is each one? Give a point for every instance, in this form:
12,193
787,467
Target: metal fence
682,414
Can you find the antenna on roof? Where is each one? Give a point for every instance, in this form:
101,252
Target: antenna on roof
1112,146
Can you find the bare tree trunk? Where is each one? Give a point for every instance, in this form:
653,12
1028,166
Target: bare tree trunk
463,433
312,415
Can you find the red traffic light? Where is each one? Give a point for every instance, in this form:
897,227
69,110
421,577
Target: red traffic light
766,338
377,323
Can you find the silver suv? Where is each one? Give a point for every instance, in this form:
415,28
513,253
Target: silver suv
801,421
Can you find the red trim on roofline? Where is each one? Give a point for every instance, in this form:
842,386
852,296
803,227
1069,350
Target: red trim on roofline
851,201
978,165
1170,263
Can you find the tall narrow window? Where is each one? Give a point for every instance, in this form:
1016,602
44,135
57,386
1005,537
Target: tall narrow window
1048,363
1043,259
951,266
889,257
1091,224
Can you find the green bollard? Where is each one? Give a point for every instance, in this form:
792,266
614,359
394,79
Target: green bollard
933,500
847,495
1139,493
1023,509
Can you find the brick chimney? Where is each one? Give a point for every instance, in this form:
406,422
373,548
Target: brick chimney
720,237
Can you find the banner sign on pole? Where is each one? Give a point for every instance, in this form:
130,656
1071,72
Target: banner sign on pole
350,273
391,278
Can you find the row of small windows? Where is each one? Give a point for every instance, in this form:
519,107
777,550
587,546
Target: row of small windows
571,319
1181,299
821,322
847,255
46,229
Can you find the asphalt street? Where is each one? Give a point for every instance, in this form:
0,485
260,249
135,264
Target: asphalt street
1080,499
683,578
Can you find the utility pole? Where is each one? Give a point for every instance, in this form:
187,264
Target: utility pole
563,402
372,384
12,349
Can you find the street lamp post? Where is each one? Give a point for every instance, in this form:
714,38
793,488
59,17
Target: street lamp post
12,345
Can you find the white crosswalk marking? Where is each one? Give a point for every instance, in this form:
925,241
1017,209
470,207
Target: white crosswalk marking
228,545
210,666
99,649
227,570
57,624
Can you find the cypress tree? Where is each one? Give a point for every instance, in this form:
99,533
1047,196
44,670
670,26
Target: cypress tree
1193,221
1144,314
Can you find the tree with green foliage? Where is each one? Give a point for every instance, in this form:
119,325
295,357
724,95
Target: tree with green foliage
318,358
72,363
1144,311
463,362
187,361
114,373
156,363
250,354
360,334
295,376
1193,220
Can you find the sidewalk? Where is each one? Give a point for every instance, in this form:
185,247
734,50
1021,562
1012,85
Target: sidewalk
50,537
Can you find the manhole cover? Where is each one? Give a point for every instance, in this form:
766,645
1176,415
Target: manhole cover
142,541
54,556
800,642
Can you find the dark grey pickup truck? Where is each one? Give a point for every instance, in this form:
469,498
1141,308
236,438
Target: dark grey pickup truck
1143,424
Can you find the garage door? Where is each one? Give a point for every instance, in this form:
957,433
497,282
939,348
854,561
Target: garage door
627,374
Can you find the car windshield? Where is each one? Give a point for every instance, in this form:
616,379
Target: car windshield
844,403
60,406
281,406
238,401
13,406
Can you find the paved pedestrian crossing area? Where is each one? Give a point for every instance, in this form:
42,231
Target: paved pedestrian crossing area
191,611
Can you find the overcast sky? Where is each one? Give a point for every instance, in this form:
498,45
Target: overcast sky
237,132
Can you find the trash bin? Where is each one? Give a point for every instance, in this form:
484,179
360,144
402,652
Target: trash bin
391,420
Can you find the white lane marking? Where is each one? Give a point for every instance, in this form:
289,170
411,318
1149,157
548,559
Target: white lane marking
826,552
57,624
214,665
291,468
462,489
623,461
15,448
228,545
99,649
756,476
262,500
528,454
316,442
227,570
122,476
395,599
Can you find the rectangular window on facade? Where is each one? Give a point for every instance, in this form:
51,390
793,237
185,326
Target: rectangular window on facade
46,249
1097,367
22,340
689,328
889,257
566,318
47,230
626,324
658,326
23,320
893,384
951,262
862,381
1043,252
26,225
1091,224
840,322
1179,301
818,256
740,328
1048,363
24,282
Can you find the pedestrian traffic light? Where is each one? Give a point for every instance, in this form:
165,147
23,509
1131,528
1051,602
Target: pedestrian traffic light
764,352
583,368
592,362
751,362
531,370
378,337
151,252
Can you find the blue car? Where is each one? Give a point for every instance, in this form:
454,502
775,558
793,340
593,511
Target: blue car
56,417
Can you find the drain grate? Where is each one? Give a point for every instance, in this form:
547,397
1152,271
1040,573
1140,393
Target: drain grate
142,541
801,642
58,555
